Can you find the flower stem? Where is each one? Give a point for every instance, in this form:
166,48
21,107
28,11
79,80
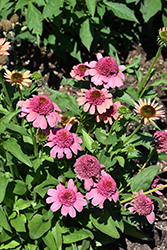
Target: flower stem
20,93
149,71
34,142
134,132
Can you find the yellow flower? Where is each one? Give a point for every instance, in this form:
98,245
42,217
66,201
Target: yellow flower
18,78
4,46
149,111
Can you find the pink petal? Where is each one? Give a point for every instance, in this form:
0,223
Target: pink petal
68,153
68,126
36,122
51,120
32,116
70,184
43,122
54,151
49,144
51,200
64,210
52,192
115,196
81,100
86,107
121,67
91,194
92,110
151,217
55,206
99,56
56,107
97,199
88,183
72,212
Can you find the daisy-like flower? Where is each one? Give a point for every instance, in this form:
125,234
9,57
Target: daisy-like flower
162,38
62,141
66,198
78,71
95,99
155,184
160,142
106,71
142,205
40,110
104,189
87,167
111,112
149,111
17,78
4,46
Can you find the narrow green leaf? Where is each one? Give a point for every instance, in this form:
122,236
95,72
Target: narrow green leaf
6,119
56,231
11,146
143,179
37,227
3,185
91,5
86,34
103,221
76,235
127,99
10,245
49,241
3,220
16,128
87,140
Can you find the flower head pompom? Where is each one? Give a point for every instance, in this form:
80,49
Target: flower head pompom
106,71
160,142
142,205
67,198
104,189
111,112
40,110
149,111
155,184
87,167
78,71
17,78
63,142
4,46
95,99
162,38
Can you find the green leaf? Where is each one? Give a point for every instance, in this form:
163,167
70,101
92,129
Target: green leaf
6,119
132,231
49,241
121,160
3,3
20,187
20,4
77,235
122,11
56,231
112,139
91,5
52,8
3,185
39,2
101,135
11,146
103,221
19,223
10,245
87,140
163,156
127,99
21,204
34,19
37,227
16,128
3,220
149,8
160,201
143,179
86,34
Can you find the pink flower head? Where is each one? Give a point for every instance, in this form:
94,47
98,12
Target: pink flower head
40,110
104,189
87,167
63,142
106,71
155,184
160,142
111,112
95,99
68,198
78,71
142,205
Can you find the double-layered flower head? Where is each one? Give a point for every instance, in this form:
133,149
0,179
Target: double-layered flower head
142,205
40,110
4,46
160,142
149,111
95,99
68,198
63,142
17,78
106,71
104,189
78,71
87,167
111,112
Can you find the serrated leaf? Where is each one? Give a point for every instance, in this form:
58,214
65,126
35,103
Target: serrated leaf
2,4
20,4
122,11
34,19
52,8
91,5
85,34
11,146
143,179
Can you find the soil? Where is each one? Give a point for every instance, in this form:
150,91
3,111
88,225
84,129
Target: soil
53,69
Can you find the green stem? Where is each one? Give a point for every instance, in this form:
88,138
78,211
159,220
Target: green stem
111,129
20,93
34,142
134,132
150,69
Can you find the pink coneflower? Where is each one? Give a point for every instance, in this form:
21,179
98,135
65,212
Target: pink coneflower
63,142
17,78
160,142
95,99
111,112
78,71
104,189
155,184
106,71
142,205
68,198
149,111
88,167
40,110
4,46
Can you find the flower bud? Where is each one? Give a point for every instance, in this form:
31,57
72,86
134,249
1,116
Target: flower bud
6,25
